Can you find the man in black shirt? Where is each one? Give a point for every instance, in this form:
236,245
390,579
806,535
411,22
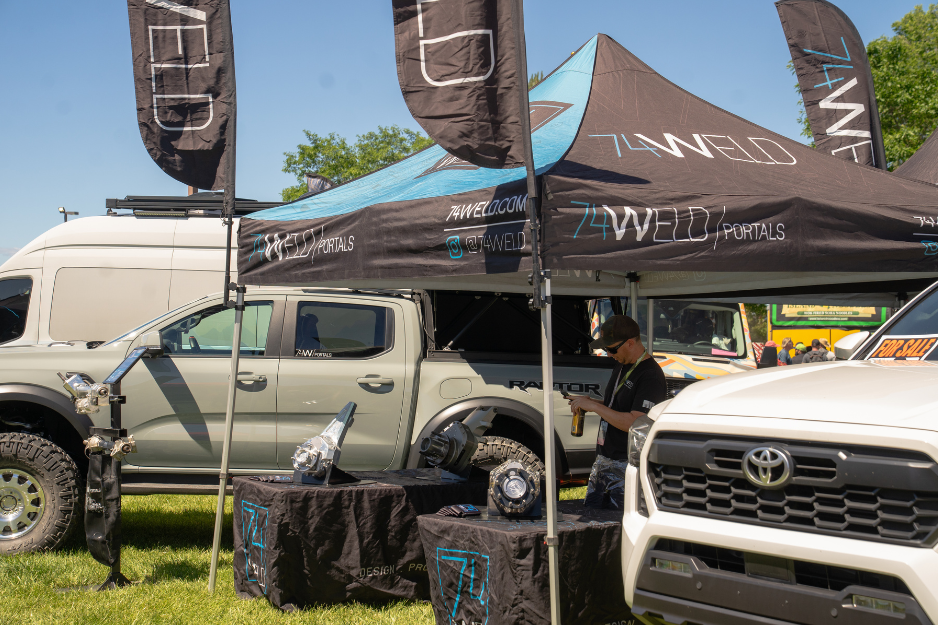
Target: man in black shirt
635,386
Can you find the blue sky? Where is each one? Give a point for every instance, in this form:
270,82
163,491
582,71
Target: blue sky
69,128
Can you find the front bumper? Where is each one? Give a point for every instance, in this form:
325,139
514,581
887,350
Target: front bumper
702,595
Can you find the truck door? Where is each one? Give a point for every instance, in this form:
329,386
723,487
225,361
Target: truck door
176,403
338,350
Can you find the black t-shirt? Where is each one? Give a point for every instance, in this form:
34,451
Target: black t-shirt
644,388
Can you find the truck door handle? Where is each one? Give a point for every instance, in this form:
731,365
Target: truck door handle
381,381
250,377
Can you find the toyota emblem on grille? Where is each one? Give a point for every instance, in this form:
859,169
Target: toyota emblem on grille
767,467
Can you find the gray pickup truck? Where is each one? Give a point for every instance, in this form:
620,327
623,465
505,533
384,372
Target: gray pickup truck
413,361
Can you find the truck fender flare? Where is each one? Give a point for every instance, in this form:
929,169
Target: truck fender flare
508,407
50,399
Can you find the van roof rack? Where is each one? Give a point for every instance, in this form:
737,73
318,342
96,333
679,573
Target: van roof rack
202,204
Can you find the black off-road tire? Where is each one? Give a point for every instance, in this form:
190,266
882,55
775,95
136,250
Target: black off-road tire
494,450
35,471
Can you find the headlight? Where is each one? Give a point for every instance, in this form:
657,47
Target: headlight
638,434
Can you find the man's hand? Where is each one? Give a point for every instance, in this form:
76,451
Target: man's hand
620,420
584,404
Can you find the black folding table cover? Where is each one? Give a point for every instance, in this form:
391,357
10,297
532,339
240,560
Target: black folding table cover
303,545
494,571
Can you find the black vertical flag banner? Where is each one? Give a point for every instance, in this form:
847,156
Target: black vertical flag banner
835,79
458,73
184,77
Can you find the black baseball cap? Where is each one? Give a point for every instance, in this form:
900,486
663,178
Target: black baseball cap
615,330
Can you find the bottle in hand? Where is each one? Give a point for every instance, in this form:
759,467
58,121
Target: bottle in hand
576,427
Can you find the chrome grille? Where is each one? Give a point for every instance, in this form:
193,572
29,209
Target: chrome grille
840,490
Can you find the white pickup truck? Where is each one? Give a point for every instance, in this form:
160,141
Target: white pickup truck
804,494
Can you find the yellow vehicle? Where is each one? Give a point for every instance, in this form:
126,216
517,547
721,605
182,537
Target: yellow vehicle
804,323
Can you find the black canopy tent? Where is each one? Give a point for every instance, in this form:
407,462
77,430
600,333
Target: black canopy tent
923,165
638,178
637,175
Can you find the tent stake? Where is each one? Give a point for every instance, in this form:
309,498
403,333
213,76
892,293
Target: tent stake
229,423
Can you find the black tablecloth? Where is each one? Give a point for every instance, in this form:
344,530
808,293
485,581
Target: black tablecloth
302,545
495,571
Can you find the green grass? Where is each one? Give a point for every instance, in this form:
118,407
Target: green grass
167,546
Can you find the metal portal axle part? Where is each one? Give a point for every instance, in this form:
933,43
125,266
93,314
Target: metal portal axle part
87,396
117,448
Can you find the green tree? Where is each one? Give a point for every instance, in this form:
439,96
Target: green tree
757,316
333,157
802,114
535,78
905,77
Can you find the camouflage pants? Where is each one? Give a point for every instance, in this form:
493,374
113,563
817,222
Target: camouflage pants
606,488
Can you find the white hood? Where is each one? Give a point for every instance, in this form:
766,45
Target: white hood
858,392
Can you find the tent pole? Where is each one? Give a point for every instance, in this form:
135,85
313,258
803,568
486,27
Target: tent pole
540,281
229,423
651,326
228,215
553,543
633,299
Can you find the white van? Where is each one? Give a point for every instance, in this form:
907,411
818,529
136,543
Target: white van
95,278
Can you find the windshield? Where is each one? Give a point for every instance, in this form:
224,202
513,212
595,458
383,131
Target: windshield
686,327
14,304
150,322
921,319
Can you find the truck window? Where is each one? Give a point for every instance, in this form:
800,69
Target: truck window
209,331
335,330
502,323
697,328
14,305
686,327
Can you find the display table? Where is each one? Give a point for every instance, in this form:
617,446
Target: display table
302,545
495,571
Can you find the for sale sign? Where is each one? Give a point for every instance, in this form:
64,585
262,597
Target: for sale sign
917,347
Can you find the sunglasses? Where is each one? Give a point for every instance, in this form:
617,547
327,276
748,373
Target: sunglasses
613,350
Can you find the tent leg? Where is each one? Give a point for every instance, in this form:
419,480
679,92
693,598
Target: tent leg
633,299
547,372
651,326
229,423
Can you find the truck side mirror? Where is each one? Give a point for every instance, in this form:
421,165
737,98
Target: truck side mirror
151,339
845,347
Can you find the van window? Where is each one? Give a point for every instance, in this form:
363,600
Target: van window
99,303
14,305
209,331
333,330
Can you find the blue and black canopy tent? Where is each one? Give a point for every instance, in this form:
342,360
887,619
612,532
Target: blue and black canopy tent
636,175
639,182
